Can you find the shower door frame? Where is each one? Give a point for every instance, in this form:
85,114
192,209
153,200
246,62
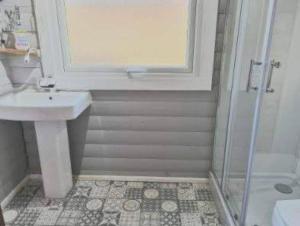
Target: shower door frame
265,59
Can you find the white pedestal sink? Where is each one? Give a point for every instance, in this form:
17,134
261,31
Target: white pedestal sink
49,111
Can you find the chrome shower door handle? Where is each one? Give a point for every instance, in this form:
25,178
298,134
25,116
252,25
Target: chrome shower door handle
249,83
274,64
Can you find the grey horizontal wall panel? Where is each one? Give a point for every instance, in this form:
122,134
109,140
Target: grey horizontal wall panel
77,135
13,164
148,152
120,164
139,123
10,132
31,147
149,138
141,108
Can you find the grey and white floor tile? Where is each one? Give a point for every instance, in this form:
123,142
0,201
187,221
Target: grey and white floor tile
115,203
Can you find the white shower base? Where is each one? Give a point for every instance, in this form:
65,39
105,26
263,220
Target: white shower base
263,196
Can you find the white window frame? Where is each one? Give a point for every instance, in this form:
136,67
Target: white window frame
196,76
187,68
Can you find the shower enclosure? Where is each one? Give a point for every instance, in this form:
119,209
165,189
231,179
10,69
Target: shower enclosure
257,145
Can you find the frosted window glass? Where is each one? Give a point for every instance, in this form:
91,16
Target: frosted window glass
128,32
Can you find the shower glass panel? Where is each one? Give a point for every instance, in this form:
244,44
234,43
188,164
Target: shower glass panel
251,55
225,89
275,174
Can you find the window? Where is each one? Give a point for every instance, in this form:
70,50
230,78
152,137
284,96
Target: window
127,44
118,34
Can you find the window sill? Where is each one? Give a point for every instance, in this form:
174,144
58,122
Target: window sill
150,84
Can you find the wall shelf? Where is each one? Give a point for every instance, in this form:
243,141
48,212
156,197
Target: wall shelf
17,52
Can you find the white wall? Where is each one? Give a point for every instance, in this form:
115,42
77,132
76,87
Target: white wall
283,28
280,129
287,130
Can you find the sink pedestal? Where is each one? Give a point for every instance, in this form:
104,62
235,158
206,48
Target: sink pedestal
50,111
53,145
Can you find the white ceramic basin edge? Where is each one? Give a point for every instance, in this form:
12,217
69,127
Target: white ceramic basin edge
31,105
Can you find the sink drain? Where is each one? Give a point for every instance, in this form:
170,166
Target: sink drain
283,188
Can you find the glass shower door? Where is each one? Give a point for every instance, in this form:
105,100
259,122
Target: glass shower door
249,75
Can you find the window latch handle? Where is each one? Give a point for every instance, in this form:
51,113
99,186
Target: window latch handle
135,70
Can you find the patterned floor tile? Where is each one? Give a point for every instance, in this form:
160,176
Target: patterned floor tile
151,193
94,204
191,219
149,205
28,217
210,220
90,218
110,218
49,216
10,215
169,206
134,193
69,218
207,207
169,219
203,195
168,185
99,192
76,204
115,203
151,185
135,184
117,190
81,192
188,206
186,194
201,186
168,194
185,185
130,218
150,219
132,205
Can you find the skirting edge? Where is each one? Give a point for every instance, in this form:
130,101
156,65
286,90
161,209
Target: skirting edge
12,194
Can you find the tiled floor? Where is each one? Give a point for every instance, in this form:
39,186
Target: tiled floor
115,203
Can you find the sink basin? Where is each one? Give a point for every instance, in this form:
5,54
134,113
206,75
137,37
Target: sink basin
49,111
43,106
